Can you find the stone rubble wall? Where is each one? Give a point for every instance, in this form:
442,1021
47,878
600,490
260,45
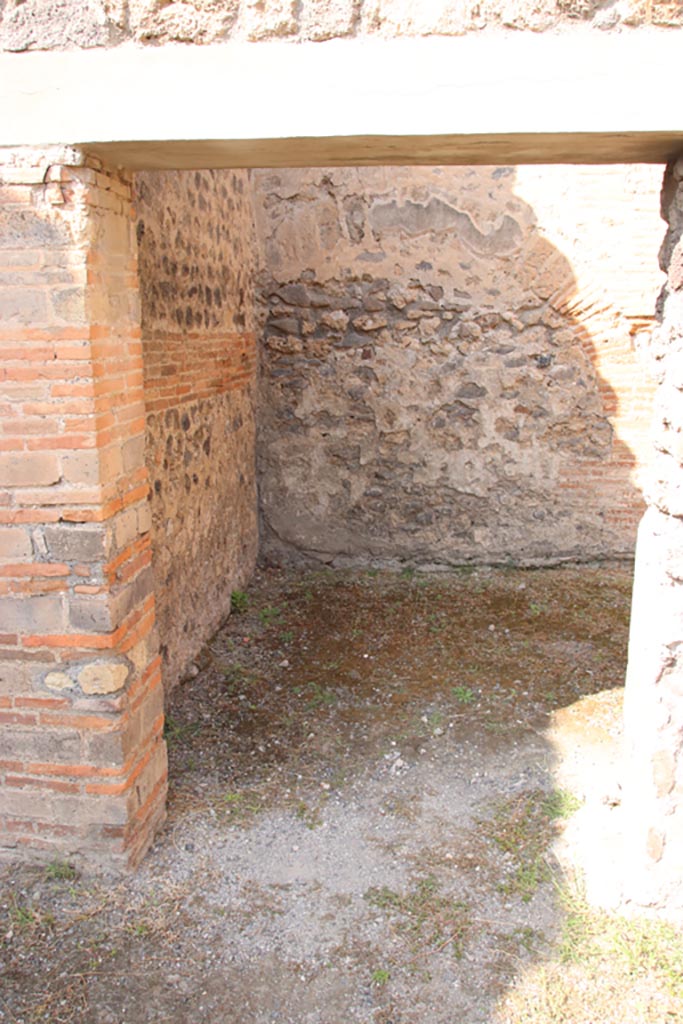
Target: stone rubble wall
82,756
450,366
653,786
58,24
196,262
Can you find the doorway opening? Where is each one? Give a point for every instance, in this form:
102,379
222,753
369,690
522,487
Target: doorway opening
415,367
450,419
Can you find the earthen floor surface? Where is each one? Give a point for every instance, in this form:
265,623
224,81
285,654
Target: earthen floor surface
376,780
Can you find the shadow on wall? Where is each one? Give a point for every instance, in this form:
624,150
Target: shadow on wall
433,380
196,266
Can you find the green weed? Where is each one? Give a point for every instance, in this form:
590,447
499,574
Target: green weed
318,696
60,871
21,914
310,816
239,602
240,806
140,930
560,804
523,827
233,674
434,720
431,921
641,946
606,968
174,732
528,938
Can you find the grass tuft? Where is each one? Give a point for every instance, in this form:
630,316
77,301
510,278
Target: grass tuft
239,602
524,828
430,920
60,871
606,969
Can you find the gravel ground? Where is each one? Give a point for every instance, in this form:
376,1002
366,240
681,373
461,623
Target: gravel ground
378,781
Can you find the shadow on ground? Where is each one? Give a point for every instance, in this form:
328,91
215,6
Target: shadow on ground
374,780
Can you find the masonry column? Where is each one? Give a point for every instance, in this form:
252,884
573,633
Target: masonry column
653,791
82,759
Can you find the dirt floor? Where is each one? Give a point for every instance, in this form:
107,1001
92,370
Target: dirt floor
376,780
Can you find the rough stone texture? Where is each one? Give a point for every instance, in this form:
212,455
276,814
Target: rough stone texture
196,21
448,362
102,677
197,253
58,24
653,791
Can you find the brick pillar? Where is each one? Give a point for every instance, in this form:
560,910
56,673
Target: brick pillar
82,758
653,790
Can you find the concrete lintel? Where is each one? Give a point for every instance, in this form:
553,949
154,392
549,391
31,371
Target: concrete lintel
491,98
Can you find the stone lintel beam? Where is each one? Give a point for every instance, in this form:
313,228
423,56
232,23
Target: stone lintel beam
497,97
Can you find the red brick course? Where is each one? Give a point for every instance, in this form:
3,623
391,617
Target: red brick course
84,766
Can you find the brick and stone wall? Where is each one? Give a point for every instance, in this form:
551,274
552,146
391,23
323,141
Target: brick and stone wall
451,366
53,24
82,759
450,372
197,257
